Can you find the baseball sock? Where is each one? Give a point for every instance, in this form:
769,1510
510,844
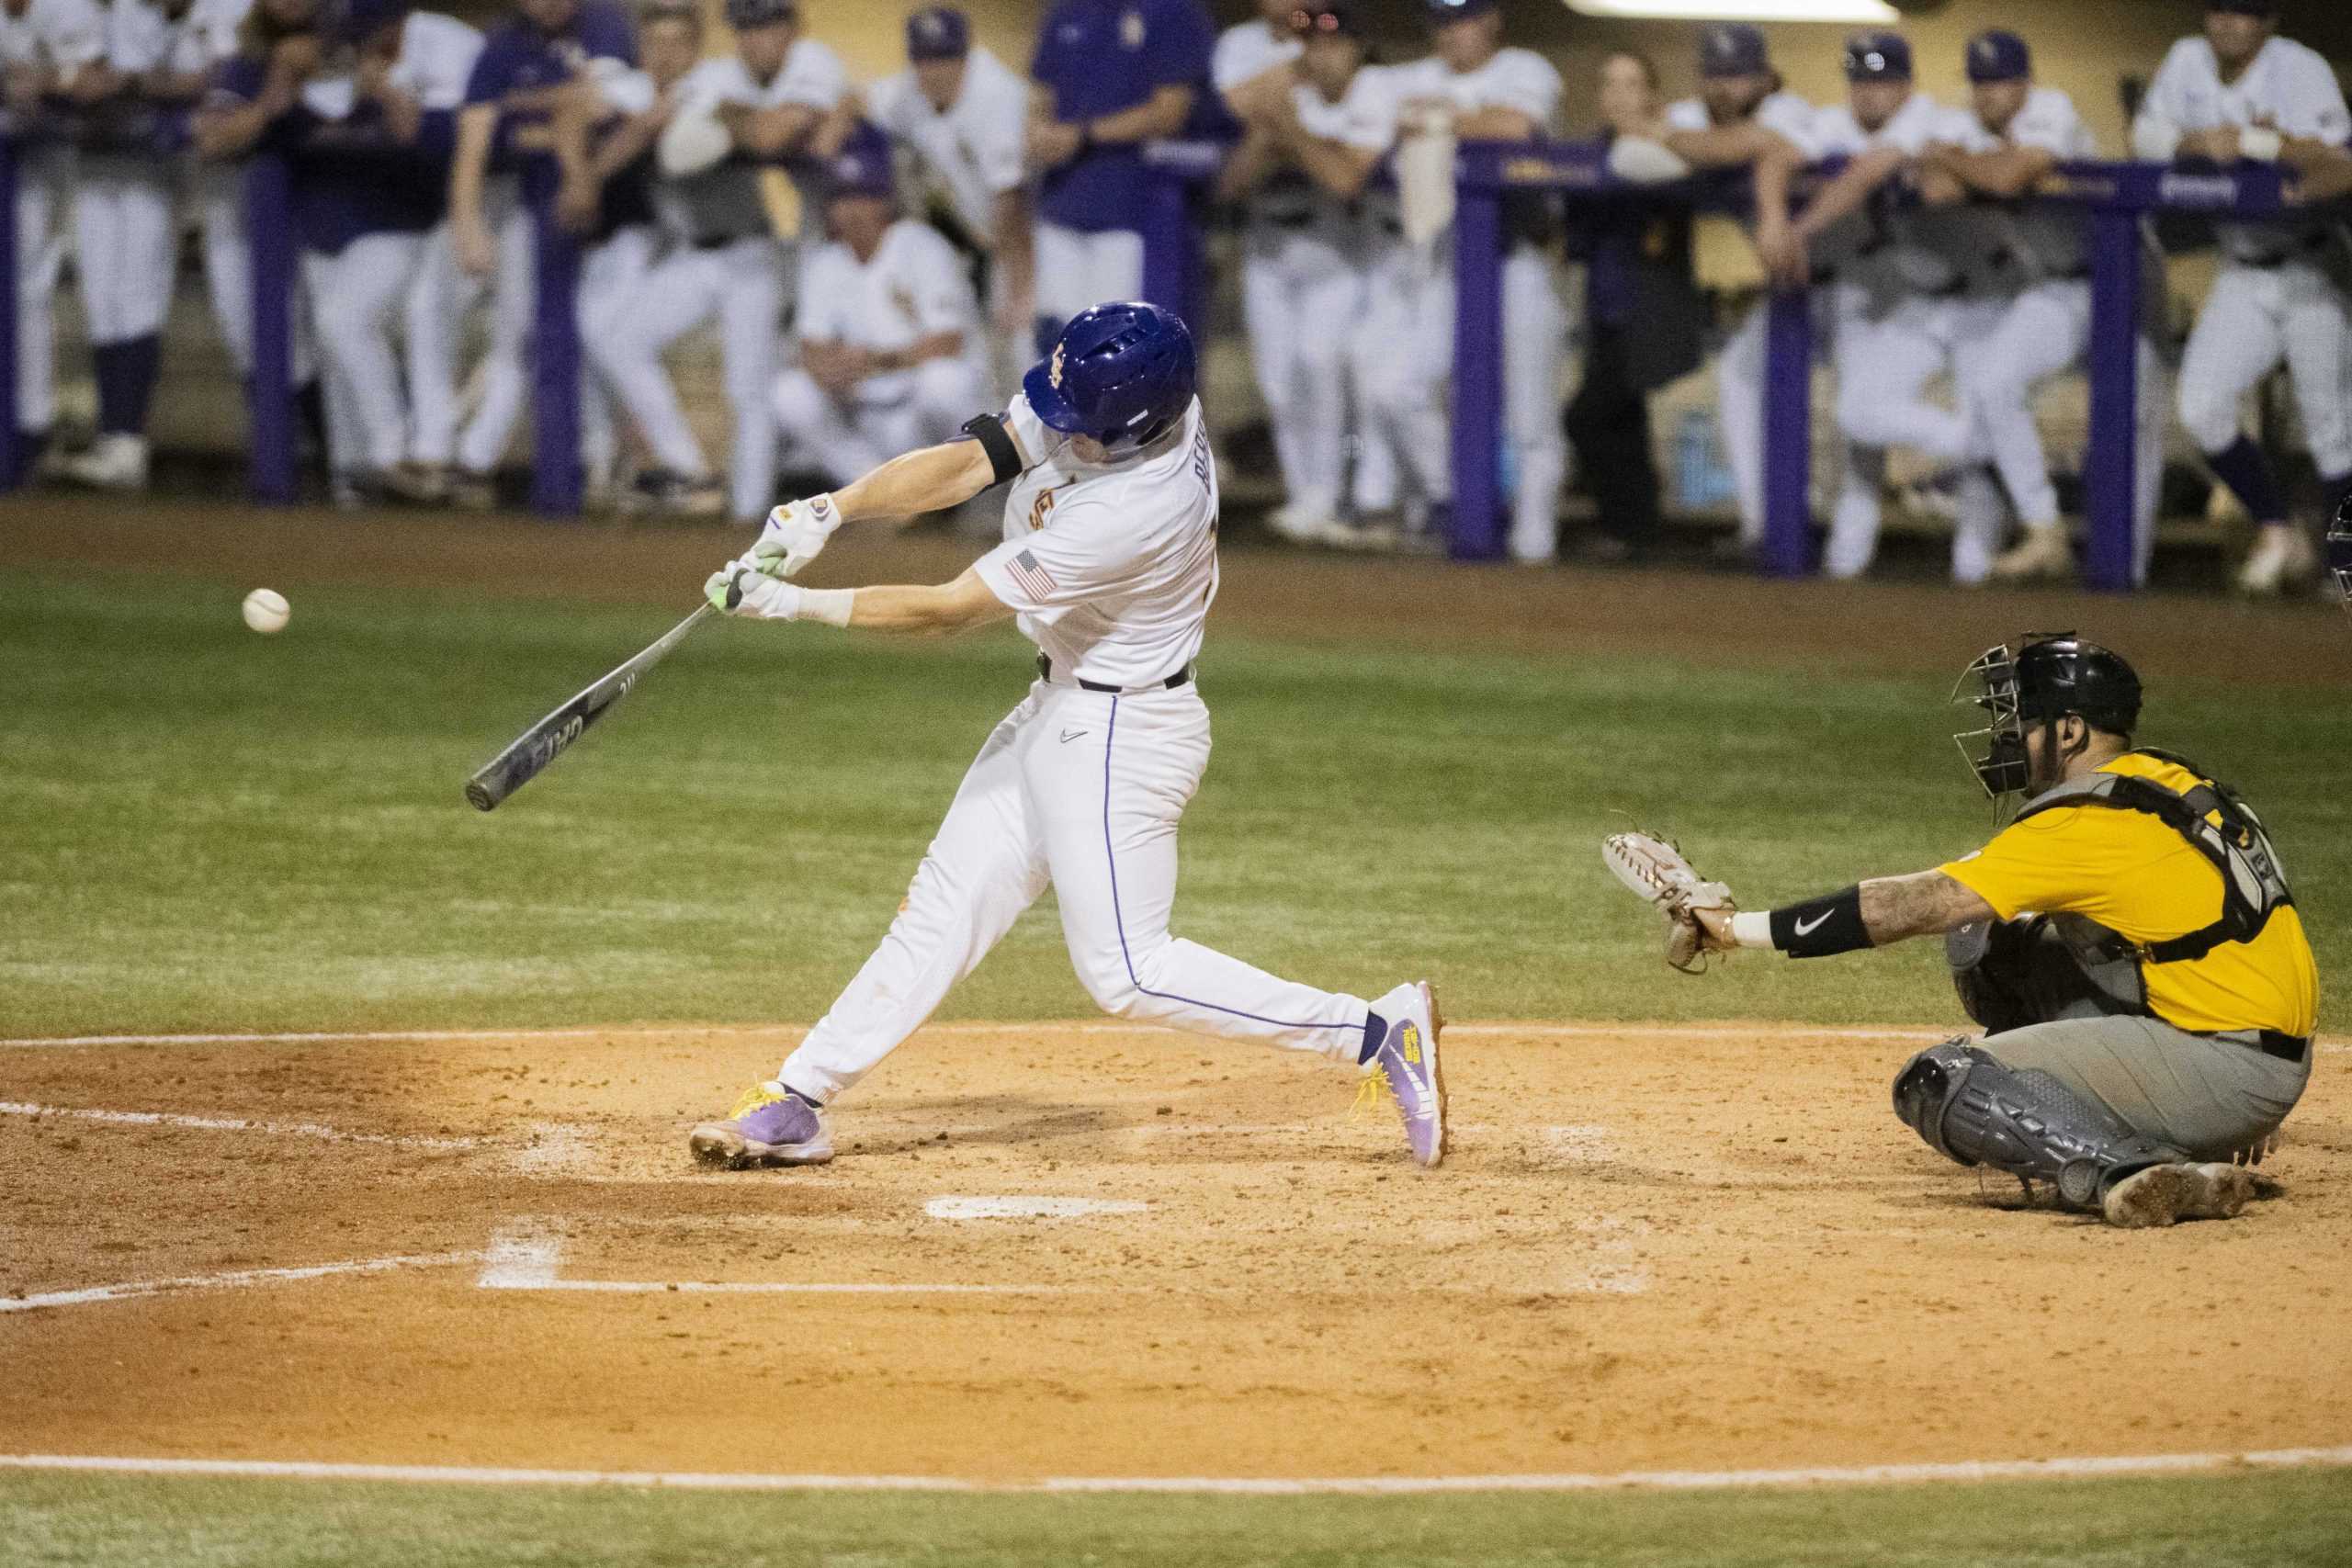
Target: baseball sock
105,368
142,357
2241,467
1376,1029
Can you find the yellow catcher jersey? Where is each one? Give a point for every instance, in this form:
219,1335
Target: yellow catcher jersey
2136,876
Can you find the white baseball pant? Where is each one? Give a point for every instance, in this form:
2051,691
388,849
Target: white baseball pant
1399,387
1885,360
2044,331
353,293
505,372
850,440
123,246
1302,296
434,308
1076,269
742,285
1082,791
228,272
1741,371
41,254
2254,317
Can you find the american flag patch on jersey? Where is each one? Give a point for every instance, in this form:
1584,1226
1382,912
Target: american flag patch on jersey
1034,579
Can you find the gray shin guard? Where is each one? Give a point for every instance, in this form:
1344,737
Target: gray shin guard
1973,1108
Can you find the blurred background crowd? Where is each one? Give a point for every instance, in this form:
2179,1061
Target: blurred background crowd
816,233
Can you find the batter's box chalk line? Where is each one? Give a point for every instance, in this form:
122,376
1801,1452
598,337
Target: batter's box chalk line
229,1124
954,1206
528,1256
232,1280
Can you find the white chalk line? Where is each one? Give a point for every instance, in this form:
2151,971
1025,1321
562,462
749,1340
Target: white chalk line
527,1257
1016,1206
237,1279
232,1124
2064,1469
1469,1031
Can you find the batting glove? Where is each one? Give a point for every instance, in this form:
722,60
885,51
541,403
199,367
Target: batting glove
739,588
794,536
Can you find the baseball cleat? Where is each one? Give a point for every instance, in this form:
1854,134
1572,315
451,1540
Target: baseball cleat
770,1125
1404,1067
113,462
2043,553
2164,1194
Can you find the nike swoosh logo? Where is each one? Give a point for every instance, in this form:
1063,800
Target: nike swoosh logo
1807,929
1071,735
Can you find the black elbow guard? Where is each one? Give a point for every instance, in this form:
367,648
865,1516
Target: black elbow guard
1004,457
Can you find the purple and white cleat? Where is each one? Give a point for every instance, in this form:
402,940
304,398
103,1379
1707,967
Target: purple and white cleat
1406,1067
770,1125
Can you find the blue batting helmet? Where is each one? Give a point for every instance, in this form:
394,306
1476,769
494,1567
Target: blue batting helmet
1120,373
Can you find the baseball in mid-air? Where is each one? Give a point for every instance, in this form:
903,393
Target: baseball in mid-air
266,610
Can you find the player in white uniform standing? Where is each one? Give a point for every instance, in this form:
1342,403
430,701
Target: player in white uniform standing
768,99
1911,300
1741,117
965,113
47,49
1109,562
1472,86
888,327
1306,156
124,237
2023,132
2243,92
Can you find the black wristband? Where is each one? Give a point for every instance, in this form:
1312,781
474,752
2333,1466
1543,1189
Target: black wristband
1004,457
1820,927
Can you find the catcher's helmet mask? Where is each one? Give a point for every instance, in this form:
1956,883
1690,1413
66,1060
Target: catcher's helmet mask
2340,551
2049,676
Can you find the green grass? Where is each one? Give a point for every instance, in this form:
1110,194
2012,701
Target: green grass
205,829
2283,1520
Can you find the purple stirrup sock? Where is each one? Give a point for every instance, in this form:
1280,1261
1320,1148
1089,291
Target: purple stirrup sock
1376,1029
2241,467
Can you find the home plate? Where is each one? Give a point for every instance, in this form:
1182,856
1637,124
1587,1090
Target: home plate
959,1207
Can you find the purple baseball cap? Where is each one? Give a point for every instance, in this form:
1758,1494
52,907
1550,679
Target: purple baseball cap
363,19
1733,48
938,32
1878,57
863,166
1998,56
742,13
2263,9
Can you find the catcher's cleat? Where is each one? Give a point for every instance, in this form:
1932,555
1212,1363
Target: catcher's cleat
770,1125
2164,1194
1404,1068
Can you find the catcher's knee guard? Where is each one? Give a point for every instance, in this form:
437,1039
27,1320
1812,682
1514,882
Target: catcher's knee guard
1972,1107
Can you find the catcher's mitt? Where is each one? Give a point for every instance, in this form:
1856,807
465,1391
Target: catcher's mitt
1654,869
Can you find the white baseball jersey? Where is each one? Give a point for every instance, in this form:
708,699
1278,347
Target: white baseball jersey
63,35
914,288
725,202
141,38
1248,51
973,150
2286,87
2045,242
435,59
1514,79
1782,113
1903,260
1111,569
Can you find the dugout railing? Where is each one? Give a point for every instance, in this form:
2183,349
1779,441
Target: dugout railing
2116,197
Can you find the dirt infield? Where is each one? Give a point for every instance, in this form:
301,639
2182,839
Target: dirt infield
1652,1249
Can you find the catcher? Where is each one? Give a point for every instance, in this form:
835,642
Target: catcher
2128,942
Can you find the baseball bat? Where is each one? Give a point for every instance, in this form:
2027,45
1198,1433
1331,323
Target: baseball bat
541,744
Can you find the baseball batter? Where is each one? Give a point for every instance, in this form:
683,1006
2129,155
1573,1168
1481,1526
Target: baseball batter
2241,91
2022,132
2129,943
1109,564
770,98
891,353
47,48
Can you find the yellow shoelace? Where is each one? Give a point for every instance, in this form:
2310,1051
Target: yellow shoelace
1372,1096
759,1094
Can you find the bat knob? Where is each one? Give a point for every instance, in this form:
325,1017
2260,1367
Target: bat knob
735,590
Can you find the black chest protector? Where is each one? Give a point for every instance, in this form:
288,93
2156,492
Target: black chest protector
2218,824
